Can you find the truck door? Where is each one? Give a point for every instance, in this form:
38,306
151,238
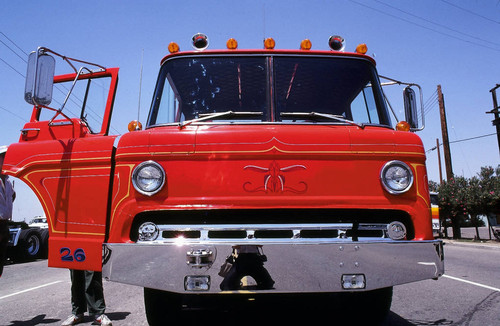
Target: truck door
65,155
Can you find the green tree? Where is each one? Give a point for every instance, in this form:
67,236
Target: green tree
461,198
474,203
453,202
489,193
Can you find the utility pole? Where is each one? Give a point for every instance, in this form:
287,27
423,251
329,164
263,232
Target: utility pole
496,112
444,130
439,162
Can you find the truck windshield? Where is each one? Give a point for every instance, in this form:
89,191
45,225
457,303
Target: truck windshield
279,88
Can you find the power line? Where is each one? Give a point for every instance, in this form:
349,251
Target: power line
462,140
11,67
470,12
431,106
437,24
14,114
471,138
424,27
430,103
17,46
12,50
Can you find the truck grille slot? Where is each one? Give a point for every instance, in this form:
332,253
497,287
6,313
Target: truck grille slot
238,234
270,234
311,234
184,234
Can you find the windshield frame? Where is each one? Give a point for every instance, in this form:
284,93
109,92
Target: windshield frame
270,110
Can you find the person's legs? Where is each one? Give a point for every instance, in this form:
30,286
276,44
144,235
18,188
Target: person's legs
94,293
78,302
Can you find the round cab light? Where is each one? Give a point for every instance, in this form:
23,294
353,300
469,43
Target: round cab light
173,47
200,42
148,231
305,44
148,178
134,125
269,43
403,126
336,43
396,230
232,44
361,48
396,177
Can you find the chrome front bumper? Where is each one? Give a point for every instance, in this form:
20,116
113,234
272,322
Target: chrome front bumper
295,266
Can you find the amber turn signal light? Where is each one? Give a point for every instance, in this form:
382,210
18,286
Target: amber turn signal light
403,126
134,125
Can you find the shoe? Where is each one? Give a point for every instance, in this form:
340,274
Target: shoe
103,320
73,320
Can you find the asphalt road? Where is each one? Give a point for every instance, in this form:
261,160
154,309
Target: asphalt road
468,294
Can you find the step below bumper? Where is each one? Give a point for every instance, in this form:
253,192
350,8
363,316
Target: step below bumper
335,266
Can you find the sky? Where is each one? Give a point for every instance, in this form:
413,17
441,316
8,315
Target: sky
454,44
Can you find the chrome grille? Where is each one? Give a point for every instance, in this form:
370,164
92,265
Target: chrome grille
265,233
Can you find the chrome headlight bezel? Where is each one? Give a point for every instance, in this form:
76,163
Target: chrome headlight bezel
148,231
390,184
154,169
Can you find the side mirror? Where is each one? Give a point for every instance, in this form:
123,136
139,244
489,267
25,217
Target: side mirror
39,78
410,103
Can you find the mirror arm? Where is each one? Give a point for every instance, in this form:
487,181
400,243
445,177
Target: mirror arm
390,106
58,112
68,59
397,82
67,95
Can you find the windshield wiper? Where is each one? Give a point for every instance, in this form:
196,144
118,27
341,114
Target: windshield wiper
211,116
321,115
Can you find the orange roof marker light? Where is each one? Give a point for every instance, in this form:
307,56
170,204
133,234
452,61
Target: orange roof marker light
361,48
232,44
269,43
336,43
305,45
173,47
200,42
403,126
134,125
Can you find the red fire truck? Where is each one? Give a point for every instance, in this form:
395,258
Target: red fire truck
258,172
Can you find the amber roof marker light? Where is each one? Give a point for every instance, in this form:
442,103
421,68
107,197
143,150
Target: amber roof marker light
361,48
173,47
336,43
305,44
232,44
200,42
269,43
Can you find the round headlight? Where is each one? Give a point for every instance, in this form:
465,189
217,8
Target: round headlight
148,231
396,230
396,177
148,178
